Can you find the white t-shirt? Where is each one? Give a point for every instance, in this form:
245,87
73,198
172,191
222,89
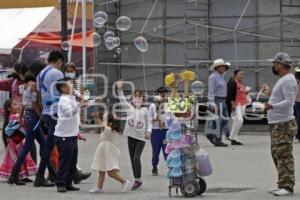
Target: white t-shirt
48,90
138,121
160,112
68,117
283,99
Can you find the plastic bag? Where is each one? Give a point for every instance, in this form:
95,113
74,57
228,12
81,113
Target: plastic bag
204,164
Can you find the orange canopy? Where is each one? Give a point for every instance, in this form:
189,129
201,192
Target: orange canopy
55,39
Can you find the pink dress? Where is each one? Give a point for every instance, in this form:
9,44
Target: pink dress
13,149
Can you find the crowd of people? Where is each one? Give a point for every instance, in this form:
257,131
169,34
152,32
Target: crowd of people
45,106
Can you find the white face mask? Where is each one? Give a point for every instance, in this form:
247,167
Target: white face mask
70,75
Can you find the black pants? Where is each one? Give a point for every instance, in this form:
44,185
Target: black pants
136,148
68,150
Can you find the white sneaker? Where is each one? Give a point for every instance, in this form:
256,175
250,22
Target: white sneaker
96,191
125,186
272,190
282,192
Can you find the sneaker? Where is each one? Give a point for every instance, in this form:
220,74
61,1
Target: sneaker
221,144
272,190
154,172
234,142
282,192
138,185
125,186
96,191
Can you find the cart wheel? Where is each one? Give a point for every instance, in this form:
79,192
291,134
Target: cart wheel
203,185
190,189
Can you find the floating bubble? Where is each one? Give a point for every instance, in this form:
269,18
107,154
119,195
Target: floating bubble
99,22
197,87
115,56
109,43
118,50
123,23
116,41
141,44
65,45
96,39
154,29
101,16
126,48
108,34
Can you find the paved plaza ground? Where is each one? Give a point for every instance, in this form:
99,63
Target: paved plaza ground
240,173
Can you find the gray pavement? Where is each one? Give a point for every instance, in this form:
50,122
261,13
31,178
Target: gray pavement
243,172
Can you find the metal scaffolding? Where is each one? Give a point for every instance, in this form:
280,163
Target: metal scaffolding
199,33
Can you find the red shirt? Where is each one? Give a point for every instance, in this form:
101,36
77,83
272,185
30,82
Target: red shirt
241,94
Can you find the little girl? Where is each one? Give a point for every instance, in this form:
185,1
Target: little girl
138,129
106,159
15,142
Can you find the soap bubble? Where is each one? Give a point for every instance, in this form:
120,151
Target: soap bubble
96,39
197,87
123,23
101,17
109,43
116,41
99,22
118,50
108,34
115,56
141,44
65,45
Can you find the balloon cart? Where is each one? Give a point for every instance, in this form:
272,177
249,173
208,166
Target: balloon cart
182,148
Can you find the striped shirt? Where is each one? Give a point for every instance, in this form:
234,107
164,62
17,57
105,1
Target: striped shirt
217,86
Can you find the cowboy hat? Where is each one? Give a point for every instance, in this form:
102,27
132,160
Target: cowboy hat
219,62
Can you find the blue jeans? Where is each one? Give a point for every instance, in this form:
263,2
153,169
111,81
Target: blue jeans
49,145
31,120
223,113
297,108
158,138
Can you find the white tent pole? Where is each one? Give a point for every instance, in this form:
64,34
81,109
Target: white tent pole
73,30
84,40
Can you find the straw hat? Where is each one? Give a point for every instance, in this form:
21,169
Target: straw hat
219,62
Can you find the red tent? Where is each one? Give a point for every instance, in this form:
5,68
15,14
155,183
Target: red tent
55,39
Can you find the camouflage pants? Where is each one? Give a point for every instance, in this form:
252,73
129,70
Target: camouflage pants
282,135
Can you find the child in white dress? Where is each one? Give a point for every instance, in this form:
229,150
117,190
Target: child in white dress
106,159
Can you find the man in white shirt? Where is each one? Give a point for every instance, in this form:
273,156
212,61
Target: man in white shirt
283,126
